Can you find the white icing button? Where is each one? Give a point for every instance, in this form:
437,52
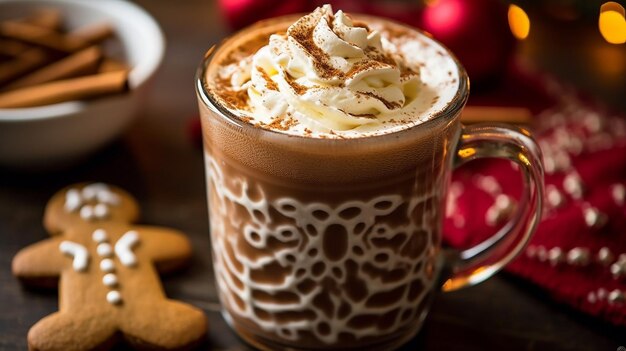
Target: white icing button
109,280
104,250
86,212
99,235
114,297
101,211
73,201
107,265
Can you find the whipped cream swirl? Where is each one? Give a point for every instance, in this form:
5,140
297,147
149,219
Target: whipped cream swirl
328,73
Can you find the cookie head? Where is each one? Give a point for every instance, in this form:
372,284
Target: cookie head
84,203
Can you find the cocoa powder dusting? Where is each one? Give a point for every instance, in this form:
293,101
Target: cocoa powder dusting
282,123
235,99
392,105
298,88
361,115
303,35
363,66
269,83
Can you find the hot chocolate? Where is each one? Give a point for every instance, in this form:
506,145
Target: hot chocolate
328,154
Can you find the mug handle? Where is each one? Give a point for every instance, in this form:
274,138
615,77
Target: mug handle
474,265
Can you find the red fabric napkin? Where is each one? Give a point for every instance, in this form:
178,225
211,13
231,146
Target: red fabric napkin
579,251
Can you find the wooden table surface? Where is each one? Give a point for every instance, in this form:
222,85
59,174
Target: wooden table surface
156,162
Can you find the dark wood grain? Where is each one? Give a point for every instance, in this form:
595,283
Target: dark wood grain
156,162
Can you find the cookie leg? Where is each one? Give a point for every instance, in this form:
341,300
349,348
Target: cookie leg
168,325
71,332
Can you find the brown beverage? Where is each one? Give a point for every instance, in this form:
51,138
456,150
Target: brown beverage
326,187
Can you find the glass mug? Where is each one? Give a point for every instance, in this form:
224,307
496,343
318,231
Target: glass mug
335,244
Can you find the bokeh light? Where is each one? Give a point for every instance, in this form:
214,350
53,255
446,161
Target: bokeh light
518,22
612,23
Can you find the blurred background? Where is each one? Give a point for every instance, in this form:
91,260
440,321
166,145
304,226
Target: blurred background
578,41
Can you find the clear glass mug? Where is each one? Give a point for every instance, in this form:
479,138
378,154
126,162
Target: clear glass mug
335,244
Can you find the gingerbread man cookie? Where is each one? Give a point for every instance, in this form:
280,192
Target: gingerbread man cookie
107,272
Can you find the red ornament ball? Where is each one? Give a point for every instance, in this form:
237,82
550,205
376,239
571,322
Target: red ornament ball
476,31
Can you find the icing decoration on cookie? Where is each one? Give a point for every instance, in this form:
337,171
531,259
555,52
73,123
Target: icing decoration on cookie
107,265
109,279
114,297
104,250
99,236
101,211
94,222
79,252
99,193
86,212
108,197
124,246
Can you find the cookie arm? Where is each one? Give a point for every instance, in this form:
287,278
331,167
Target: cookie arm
40,264
169,249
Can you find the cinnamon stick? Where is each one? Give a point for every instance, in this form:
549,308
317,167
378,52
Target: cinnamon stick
34,34
66,90
112,65
12,48
513,115
24,63
80,63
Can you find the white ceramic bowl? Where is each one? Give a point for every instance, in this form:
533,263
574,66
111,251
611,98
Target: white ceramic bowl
53,134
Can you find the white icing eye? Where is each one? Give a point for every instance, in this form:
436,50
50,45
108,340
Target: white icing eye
114,297
101,211
99,235
104,250
86,213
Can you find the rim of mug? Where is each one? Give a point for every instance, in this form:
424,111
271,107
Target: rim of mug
448,113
